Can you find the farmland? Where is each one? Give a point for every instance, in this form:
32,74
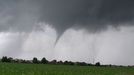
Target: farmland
49,69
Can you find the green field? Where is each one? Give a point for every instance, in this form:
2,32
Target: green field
46,69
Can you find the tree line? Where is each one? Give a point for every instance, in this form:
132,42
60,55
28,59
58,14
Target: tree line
45,61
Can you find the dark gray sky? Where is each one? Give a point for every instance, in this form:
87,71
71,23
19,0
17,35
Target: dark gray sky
63,14
22,18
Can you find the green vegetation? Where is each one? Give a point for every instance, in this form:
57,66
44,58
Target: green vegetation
50,69
10,66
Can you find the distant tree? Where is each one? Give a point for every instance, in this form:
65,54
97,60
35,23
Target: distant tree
66,62
81,63
97,64
16,61
10,59
35,60
53,62
44,61
69,63
60,62
28,61
89,64
4,59
110,65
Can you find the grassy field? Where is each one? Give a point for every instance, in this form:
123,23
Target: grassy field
41,69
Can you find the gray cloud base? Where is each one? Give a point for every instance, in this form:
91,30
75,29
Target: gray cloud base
93,15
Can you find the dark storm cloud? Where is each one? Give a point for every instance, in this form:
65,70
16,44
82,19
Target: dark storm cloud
94,15
17,15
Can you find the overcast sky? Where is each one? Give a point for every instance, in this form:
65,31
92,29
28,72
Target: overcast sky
77,30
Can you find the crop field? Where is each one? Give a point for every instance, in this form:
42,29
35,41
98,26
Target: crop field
49,69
